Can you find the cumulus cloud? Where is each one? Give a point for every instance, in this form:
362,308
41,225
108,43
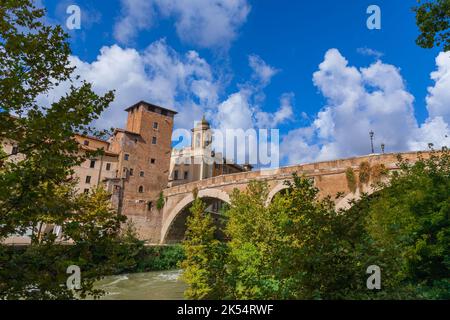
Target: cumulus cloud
158,74
357,100
360,100
205,23
283,114
235,112
262,72
136,15
436,128
438,99
243,109
435,131
184,82
370,52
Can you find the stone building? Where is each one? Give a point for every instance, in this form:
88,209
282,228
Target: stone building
143,149
94,171
200,161
138,163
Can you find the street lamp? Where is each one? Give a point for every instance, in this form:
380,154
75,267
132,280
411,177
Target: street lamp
371,133
382,148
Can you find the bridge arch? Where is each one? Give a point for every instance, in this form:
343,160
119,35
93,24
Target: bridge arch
278,188
216,194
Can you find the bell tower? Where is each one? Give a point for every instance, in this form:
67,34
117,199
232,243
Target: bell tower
144,149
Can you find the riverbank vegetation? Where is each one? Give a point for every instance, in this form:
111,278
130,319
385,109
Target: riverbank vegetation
36,188
301,247
38,271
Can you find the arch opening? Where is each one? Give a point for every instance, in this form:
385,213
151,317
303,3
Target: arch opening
280,188
177,229
174,227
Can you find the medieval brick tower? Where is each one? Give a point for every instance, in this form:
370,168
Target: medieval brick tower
144,149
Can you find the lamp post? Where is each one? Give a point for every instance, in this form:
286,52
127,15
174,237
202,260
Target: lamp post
371,133
382,148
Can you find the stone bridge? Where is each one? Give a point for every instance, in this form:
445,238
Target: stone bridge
329,177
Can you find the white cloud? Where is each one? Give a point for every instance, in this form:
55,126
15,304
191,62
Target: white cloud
297,146
136,15
158,74
358,100
235,112
435,131
438,99
185,83
162,76
205,23
262,72
373,98
436,128
370,52
283,114
243,109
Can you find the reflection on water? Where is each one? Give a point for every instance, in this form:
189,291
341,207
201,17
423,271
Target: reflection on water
155,285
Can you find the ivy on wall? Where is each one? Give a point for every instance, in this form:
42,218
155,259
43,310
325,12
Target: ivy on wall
351,179
160,202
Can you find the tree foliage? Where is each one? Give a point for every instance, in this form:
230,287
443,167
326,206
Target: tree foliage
37,188
92,237
433,20
409,224
204,256
301,247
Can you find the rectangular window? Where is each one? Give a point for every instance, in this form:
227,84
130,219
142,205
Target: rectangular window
126,157
141,174
88,179
155,125
86,190
108,166
175,175
131,172
152,161
15,150
92,165
154,140
186,175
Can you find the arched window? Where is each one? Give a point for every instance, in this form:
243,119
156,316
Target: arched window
141,189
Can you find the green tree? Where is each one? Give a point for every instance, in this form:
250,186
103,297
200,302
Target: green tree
2,156
38,190
204,256
38,271
433,20
256,245
409,224
299,247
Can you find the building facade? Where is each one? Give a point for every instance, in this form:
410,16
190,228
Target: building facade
200,161
138,163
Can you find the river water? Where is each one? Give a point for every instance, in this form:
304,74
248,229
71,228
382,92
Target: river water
155,285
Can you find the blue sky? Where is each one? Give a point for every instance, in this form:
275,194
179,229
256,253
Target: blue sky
247,63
